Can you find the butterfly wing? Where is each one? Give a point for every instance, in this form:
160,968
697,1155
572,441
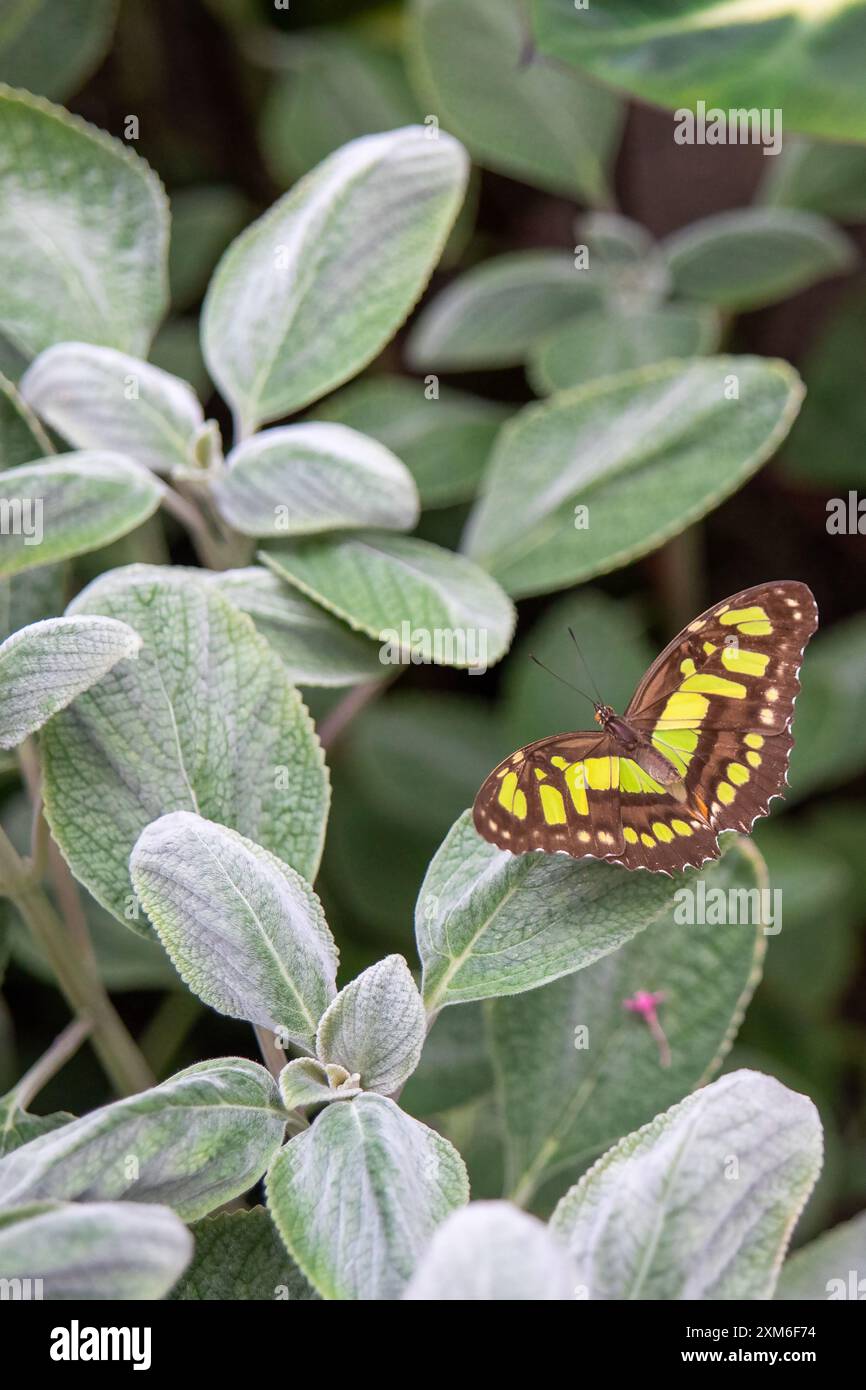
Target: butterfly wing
719,701
558,794
660,832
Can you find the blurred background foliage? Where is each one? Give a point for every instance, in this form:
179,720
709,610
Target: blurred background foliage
235,99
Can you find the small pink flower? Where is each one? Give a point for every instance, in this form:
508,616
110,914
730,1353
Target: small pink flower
646,1004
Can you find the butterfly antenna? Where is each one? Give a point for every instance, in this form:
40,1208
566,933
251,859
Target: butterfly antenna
586,667
563,680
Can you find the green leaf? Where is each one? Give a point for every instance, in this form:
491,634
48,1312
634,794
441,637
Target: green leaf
97,398
298,304
646,453
825,447
305,1083
331,86
805,1060
357,1196
444,439
455,1064
794,55
204,720
830,725
45,666
125,960
13,362
52,49
300,480
806,970
625,260
70,505
83,233
489,923
818,177
421,602
490,1252
599,1083
517,113
491,315
30,597
22,438
204,219
751,257
390,751
838,828
315,647
831,1267
94,1250
244,931
17,1127
618,242
475,1130
239,1256
375,1027
196,1141
700,1203
465,223
597,345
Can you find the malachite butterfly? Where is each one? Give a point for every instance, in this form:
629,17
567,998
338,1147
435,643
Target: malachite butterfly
702,747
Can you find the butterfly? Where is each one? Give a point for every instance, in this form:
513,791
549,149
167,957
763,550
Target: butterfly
702,747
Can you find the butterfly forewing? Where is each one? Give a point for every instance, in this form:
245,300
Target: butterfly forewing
719,700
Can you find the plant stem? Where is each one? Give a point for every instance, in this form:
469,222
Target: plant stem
273,1057
240,431
208,547
168,1029
217,546
39,841
341,716
121,1059
44,854
525,1188
65,1045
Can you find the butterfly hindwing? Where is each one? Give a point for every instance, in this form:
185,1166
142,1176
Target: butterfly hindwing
574,794
660,832
666,843
555,794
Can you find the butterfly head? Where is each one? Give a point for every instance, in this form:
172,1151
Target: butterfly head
603,715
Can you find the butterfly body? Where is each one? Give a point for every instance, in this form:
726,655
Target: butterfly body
632,743
702,747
